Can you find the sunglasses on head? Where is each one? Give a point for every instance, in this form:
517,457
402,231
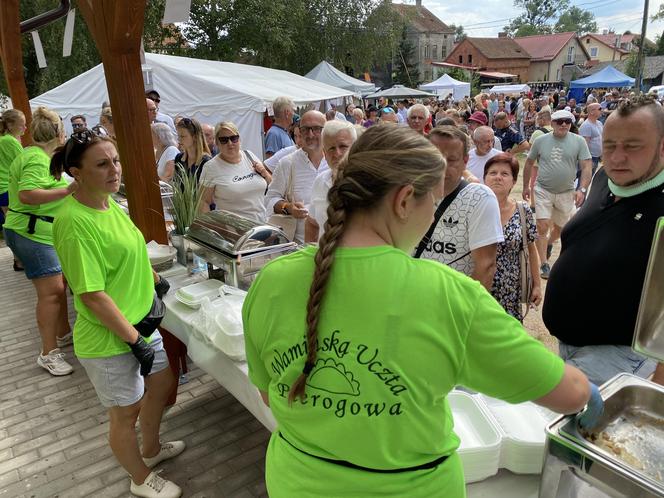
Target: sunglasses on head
232,138
563,121
87,135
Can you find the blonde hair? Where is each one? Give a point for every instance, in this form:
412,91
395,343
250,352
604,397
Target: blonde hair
107,113
225,125
200,145
9,121
46,126
382,159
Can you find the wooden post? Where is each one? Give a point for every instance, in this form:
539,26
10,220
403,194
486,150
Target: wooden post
12,61
117,27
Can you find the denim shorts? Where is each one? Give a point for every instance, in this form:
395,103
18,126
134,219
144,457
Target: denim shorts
39,260
117,379
4,199
601,363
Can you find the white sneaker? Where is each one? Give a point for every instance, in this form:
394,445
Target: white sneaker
155,487
65,340
168,450
54,362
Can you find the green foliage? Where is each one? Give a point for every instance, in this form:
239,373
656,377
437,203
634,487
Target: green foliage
576,19
660,45
187,195
405,69
631,65
459,33
469,76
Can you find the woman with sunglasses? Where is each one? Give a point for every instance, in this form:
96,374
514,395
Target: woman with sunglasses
234,180
35,197
195,152
105,260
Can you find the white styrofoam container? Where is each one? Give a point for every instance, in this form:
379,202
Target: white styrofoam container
193,294
480,441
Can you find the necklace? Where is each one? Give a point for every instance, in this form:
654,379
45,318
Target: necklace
634,190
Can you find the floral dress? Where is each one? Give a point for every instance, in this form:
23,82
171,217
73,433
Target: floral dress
506,286
528,129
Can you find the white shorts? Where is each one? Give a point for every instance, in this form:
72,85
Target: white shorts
556,207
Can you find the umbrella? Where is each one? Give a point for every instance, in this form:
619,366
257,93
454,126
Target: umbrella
399,92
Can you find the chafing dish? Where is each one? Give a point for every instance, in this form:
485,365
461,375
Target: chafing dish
238,247
649,332
634,416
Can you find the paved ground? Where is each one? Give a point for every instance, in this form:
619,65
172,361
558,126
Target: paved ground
53,431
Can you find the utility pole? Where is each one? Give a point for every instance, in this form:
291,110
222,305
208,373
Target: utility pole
640,56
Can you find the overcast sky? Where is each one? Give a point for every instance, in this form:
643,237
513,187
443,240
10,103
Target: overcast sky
475,15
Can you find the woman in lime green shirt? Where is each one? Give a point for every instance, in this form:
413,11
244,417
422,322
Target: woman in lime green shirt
12,128
34,199
105,260
355,345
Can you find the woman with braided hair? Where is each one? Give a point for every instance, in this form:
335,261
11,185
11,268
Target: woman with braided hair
355,344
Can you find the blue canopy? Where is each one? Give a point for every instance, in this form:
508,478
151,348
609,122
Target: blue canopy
607,77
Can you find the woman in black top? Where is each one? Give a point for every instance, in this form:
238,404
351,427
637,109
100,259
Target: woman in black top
195,152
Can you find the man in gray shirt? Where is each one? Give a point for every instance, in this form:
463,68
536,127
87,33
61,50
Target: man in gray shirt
591,130
557,155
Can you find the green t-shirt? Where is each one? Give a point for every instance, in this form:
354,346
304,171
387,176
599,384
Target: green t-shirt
396,334
102,251
30,171
557,159
10,148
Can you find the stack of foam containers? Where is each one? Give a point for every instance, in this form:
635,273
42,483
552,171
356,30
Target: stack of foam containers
480,440
523,436
495,434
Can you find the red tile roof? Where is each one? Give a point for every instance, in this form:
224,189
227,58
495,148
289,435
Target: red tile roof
496,48
544,47
610,40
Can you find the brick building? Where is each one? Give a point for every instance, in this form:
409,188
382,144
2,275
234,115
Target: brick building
502,55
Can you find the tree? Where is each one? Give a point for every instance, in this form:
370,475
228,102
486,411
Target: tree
631,65
576,19
405,69
468,76
660,45
536,16
459,33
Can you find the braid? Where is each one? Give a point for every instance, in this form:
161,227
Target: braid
334,229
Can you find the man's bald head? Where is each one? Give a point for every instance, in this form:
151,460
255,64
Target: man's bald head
152,110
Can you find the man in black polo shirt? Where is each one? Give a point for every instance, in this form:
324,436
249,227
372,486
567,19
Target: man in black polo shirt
510,139
593,293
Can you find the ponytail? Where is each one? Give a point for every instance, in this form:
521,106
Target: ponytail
58,163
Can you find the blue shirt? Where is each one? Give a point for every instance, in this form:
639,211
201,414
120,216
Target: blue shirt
276,139
508,137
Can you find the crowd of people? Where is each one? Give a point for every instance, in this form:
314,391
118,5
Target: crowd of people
412,280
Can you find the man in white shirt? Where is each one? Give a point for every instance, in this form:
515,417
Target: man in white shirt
290,190
159,117
466,235
483,151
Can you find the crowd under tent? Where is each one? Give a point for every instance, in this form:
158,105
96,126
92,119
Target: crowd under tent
445,85
209,91
326,73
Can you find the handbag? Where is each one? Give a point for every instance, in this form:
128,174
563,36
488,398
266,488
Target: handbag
524,260
151,321
286,222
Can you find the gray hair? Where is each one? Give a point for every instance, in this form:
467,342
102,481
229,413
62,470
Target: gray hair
280,105
164,134
334,127
481,131
419,107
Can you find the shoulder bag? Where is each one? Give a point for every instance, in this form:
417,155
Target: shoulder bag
524,260
286,222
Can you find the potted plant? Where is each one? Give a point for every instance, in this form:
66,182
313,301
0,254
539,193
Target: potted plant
187,194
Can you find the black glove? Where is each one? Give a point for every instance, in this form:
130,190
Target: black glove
162,287
144,354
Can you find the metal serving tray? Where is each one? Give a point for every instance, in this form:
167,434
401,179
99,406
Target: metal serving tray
649,332
234,235
634,418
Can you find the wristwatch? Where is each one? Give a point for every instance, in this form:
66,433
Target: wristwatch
583,190
284,210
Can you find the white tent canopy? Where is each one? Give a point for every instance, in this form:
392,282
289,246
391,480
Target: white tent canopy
509,89
446,85
399,92
209,91
330,75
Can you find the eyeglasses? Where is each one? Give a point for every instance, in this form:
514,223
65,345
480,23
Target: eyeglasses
77,125
232,138
562,121
315,129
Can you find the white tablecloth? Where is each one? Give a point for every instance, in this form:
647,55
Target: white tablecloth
233,375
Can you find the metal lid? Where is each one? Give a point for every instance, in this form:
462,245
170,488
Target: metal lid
649,333
235,234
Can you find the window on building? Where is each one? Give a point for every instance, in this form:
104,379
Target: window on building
461,59
427,51
444,37
570,54
443,52
593,52
470,58
434,52
587,41
557,74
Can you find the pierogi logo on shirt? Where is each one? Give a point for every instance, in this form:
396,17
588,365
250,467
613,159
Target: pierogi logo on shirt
334,382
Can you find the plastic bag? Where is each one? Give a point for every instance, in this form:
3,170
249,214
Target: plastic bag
220,322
